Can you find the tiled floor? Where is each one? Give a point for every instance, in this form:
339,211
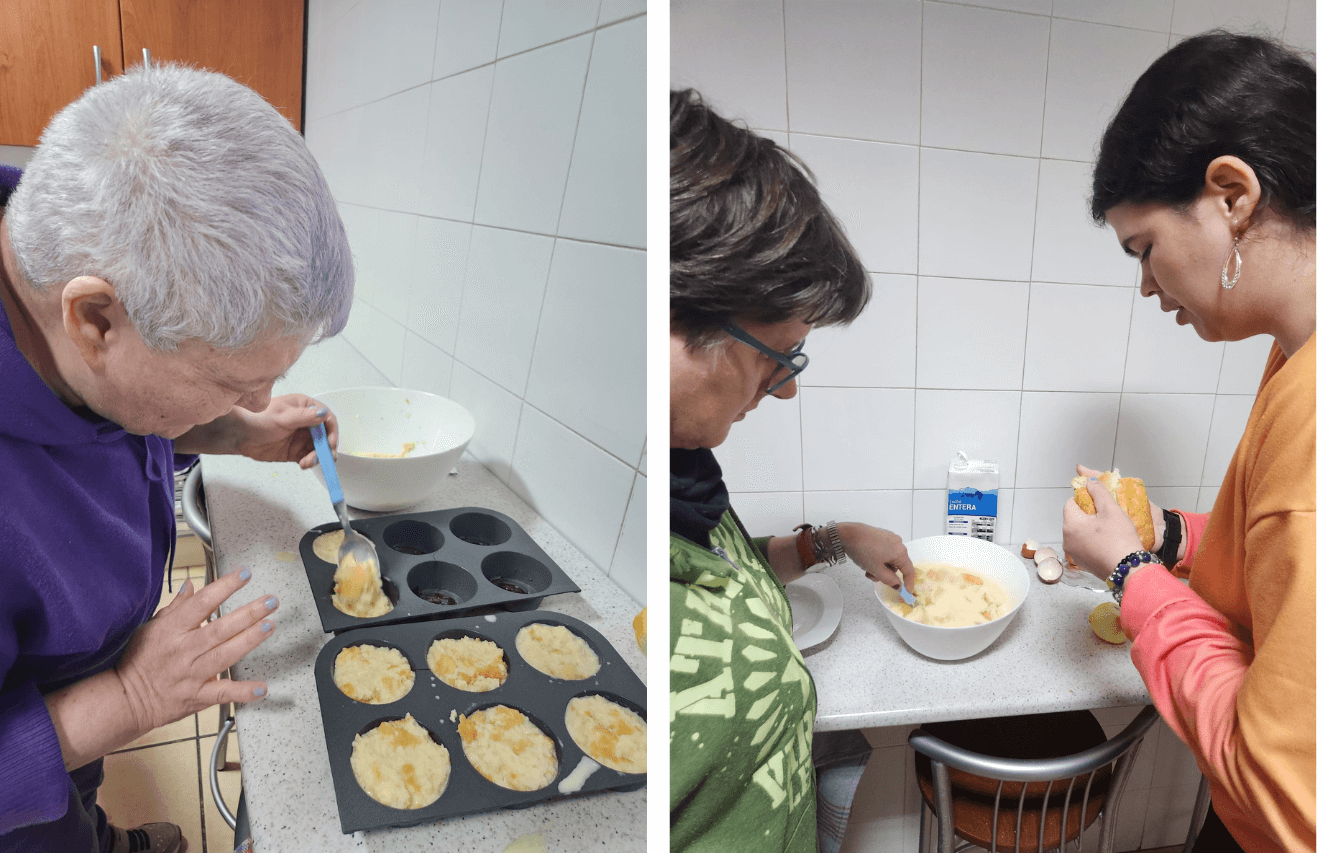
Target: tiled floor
161,776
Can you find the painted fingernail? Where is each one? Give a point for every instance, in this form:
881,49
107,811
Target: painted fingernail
270,603
321,413
259,691
245,574
266,627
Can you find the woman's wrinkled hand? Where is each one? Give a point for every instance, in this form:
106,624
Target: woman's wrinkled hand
1096,543
879,553
170,667
280,433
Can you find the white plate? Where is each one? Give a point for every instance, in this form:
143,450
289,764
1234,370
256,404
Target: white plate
817,605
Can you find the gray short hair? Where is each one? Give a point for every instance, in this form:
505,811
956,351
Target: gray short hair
196,200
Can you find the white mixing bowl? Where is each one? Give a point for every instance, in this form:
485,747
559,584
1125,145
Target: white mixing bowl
982,557
382,420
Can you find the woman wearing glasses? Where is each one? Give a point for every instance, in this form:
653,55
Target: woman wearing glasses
756,261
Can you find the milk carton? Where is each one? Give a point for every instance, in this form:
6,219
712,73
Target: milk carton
974,487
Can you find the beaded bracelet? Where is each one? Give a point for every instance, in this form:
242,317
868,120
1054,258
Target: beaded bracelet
1126,565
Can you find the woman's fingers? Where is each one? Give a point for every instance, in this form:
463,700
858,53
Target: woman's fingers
1084,471
222,690
196,607
219,631
222,656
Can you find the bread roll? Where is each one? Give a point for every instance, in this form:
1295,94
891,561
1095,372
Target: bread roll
1131,495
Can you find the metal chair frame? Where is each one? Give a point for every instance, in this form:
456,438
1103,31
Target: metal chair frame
1118,750
194,512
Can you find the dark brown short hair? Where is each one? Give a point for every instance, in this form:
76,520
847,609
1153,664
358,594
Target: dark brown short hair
750,237
1213,95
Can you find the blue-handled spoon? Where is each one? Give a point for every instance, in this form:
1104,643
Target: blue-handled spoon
355,545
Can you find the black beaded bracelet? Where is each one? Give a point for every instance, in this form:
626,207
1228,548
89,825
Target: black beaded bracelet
1126,565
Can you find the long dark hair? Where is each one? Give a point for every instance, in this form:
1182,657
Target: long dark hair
750,237
1213,95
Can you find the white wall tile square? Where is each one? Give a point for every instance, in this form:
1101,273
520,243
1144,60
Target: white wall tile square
426,367
872,188
388,263
615,10
378,338
606,197
396,129
983,424
1060,430
531,23
929,507
536,98
1037,514
768,513
1131,818
976,214
857,438
628,568
763,452
496,413
1260,16
970,334
1163,437
733,53
456,134
587,375
889,510
466,36
1079,100
983,79
440,261
1173,497
1244,364
879,349
1054,361
1206,499
1068,246
1166,357
1228,421
396,43
1035,7
558,471
1136,14
502,295
844,54
1300,25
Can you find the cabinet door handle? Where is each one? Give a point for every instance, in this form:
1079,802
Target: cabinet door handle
96,60
146,58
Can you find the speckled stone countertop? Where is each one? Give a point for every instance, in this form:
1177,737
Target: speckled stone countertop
1047,660
258,513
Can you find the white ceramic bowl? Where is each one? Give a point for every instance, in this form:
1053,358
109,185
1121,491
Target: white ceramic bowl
986,559
381,420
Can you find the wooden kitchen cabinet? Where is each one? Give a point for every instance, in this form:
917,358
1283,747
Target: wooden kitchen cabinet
46,50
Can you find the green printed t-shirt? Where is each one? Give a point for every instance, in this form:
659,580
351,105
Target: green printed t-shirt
741,704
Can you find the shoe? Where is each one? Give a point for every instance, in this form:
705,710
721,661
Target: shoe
149,838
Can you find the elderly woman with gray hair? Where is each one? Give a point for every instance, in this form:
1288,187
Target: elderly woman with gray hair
166,256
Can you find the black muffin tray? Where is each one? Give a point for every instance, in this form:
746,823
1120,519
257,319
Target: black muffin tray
540,697
474,557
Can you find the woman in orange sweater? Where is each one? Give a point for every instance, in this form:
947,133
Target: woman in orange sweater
1208,174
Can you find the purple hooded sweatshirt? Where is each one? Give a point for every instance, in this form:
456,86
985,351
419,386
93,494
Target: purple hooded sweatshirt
86,529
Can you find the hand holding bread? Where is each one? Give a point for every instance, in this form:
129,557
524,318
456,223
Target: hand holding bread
1098,530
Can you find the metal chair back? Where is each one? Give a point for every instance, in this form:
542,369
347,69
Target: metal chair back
1075,774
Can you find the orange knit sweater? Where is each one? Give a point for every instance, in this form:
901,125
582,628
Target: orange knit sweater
1236,680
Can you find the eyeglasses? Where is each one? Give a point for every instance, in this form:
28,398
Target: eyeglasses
795,362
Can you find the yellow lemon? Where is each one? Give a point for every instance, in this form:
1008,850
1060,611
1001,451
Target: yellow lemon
1105,623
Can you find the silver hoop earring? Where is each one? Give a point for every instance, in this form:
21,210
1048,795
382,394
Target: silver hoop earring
1225,281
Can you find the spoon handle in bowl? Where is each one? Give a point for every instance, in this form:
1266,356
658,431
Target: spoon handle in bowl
327,461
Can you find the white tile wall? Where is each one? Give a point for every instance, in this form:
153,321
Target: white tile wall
488,159
876,350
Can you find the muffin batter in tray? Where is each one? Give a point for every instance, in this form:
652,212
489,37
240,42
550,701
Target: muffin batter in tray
441,563
542,698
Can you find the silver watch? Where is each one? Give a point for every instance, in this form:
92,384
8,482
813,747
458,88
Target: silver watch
836,543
